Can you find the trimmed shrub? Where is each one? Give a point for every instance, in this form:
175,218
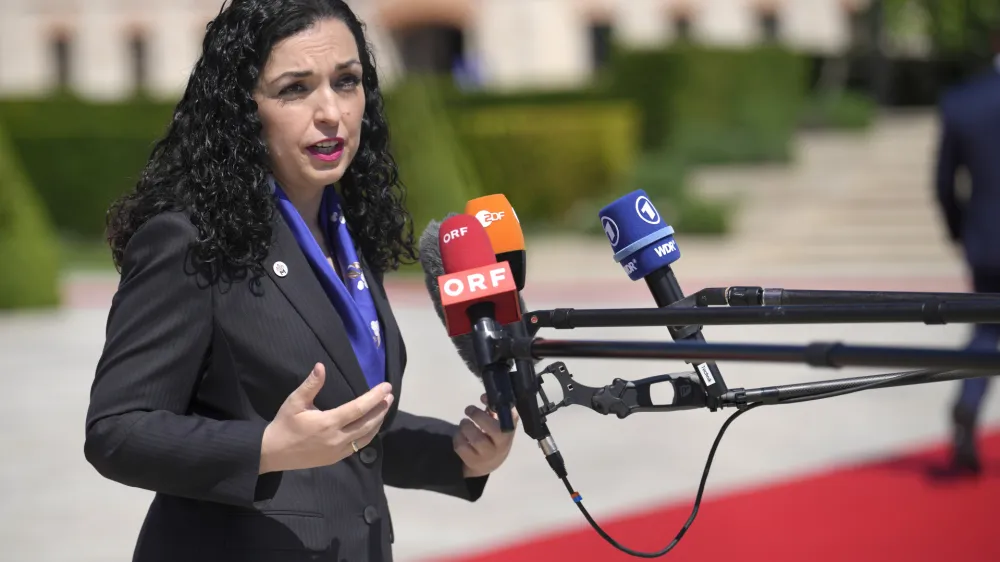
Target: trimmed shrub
544,158
81,156
29,250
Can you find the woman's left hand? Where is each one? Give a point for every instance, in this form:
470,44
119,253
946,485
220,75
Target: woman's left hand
480,443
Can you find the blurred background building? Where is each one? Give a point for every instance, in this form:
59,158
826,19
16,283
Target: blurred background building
720,109
110,49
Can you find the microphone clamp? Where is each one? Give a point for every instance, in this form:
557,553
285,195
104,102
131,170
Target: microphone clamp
623,397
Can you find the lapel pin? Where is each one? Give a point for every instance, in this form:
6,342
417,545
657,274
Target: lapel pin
280,269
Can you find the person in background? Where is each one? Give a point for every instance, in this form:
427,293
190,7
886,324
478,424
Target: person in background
252,366
970,142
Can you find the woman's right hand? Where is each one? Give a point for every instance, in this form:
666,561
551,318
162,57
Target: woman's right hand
301,436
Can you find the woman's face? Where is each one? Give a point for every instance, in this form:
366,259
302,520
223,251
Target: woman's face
310,101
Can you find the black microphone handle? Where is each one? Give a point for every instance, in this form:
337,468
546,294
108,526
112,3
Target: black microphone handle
517,260
494,369
525,382
499,395
666,291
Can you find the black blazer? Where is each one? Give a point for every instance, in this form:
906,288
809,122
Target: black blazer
190,375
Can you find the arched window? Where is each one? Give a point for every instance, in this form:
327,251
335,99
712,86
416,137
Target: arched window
138,50
769,23
431,49
600,43
682,26
61,57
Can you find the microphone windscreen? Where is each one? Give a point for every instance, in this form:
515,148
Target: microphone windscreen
430,262
464,244
642,241
497,216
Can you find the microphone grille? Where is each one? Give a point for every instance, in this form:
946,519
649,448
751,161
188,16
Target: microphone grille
497,216
464,244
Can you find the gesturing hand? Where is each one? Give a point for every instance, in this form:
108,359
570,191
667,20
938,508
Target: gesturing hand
301,436
480,443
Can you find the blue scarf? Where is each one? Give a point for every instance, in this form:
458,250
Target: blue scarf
354,302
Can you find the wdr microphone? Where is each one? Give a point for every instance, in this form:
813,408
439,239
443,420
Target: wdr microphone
497,216
478,296
644,245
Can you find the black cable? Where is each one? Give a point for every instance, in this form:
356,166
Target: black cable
694,512
578,499
833,393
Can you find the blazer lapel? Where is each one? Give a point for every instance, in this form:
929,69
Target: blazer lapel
392,354
288,267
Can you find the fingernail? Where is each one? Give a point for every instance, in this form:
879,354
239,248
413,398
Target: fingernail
389,399
469,410
385,387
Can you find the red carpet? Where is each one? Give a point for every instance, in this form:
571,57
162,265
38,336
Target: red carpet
885,511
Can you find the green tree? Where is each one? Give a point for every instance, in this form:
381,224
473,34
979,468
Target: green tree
953,27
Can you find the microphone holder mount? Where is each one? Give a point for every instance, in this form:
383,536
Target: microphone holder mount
623,397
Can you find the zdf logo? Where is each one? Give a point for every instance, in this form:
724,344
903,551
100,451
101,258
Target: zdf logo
487,218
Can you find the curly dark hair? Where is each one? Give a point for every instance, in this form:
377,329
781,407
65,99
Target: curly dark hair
212,161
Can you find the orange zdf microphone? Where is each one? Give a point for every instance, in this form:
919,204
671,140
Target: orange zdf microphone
497,216
500,222
479,296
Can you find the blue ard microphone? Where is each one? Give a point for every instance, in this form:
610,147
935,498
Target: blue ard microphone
643,243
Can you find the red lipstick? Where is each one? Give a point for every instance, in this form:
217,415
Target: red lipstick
327,150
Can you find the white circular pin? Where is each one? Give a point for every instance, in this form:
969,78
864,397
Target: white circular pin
280,269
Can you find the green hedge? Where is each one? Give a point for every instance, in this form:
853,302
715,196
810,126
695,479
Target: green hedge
81,156
545,158
554,154
29,250
438,177
845,110
647,78
463,100
663,175
713,104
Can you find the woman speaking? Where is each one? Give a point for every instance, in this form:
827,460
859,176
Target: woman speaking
251,371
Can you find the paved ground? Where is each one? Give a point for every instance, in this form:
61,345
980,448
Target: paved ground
47,363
